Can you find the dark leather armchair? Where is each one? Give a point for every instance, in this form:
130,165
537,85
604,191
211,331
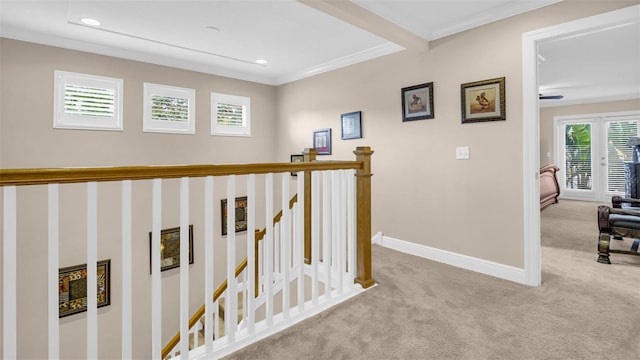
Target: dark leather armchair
620,220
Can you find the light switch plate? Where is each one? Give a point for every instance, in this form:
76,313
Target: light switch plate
462,153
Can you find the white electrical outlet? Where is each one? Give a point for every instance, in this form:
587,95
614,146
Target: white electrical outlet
462,153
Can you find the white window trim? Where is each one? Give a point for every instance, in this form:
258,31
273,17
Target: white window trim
62,120
225,130
162,126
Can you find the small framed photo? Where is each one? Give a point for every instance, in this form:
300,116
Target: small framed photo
322,141
72,288
351,125
170,248
417,102
297,158
483,100
241,214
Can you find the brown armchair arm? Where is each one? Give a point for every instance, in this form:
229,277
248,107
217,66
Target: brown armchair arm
603,217
617,201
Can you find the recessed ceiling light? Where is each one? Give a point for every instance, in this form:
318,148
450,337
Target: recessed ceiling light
261,61
90,21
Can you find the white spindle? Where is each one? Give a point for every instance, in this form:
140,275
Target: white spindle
216,318
277,238
251,253
268,251
315,234
53,261
299,239
285,239
92,260
326,231
127,346
230,303
184,268
336,231
156,284
208,263
351,225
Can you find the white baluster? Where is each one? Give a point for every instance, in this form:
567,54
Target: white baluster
184,268
53,260
251,253
230,303
208,263
326,231
156,284
285,239
127,332
299,239
315,234
351,225
92,284
268,240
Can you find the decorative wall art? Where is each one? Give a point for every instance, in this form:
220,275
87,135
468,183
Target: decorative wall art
483,100
170,248
322,141
72,288
297,158
351,125
241,214
417,102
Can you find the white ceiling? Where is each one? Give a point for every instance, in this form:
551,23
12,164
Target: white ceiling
298,38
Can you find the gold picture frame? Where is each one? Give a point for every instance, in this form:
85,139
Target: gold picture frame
483,101
241,214
170,248
72,288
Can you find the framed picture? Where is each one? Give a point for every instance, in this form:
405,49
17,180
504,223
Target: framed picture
322,141
170,248
72,288
483,100
297,158
241,214
351,125
417,102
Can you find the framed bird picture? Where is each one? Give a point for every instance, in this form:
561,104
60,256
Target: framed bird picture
417,102
483,100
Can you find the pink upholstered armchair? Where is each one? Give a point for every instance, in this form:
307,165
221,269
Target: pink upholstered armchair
549,188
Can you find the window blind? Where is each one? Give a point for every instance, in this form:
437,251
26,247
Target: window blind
231,115
166,108
89,101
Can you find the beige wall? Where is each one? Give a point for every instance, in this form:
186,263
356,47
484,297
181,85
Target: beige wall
547,115
27,139
421,193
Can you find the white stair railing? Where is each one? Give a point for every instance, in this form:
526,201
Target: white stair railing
287,289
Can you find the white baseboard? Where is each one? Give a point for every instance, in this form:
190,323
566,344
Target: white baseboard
447,257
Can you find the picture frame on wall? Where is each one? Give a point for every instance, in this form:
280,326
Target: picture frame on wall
417,102
322,141
170,248
483,101
241,214
72,288
351,125
296,158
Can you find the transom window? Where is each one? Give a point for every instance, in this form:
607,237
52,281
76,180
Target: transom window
230,115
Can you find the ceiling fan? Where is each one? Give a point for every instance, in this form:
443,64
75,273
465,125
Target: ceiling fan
550,97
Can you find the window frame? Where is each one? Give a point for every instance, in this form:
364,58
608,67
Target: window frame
63,120
229,130
162,126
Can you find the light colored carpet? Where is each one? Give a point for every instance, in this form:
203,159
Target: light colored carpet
427,310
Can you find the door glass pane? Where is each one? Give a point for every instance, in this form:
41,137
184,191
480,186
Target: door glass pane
578,172
618,133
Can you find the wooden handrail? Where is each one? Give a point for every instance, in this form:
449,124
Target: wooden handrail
76,175
223,287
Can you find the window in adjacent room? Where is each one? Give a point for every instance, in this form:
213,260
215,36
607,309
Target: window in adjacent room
230,115
88,102
169,109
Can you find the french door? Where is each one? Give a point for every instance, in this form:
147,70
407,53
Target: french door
591,151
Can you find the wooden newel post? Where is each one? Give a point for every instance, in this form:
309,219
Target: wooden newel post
309,156
363,211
